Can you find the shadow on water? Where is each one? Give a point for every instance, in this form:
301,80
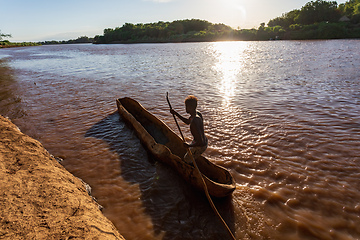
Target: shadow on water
177,210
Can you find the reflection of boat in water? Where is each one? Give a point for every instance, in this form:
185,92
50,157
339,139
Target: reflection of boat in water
168,147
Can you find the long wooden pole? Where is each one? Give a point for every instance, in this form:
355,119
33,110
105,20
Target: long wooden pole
202,179
167,99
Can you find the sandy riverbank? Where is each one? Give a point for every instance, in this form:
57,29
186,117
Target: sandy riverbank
40,199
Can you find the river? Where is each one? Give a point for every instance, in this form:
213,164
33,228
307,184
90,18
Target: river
282,116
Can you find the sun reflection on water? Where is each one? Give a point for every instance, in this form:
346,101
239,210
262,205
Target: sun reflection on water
230,62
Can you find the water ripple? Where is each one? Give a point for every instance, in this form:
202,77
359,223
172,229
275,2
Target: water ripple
282,116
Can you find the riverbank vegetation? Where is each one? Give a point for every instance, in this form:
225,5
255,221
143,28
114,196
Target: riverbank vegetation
315,20
8,44
82,39
320,20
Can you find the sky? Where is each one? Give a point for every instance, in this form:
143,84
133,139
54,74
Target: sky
40,20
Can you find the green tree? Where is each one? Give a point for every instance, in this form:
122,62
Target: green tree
194,25
161,31
318,11
357,9
285,20
3,35
350,8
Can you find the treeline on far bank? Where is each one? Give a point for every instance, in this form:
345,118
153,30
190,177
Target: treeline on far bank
315,20
82,39
8,44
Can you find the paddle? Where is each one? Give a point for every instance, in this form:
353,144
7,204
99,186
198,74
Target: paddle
167,99
199,172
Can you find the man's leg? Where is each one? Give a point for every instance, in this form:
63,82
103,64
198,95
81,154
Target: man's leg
196,153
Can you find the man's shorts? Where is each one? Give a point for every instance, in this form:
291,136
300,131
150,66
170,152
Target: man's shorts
196,152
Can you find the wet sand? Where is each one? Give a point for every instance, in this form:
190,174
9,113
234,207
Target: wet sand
39,198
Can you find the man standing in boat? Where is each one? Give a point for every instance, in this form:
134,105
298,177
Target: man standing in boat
196,121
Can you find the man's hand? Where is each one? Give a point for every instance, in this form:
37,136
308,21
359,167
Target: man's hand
186,145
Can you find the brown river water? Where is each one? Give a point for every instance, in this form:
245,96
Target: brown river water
282,116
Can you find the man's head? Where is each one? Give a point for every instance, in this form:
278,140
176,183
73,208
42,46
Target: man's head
190,103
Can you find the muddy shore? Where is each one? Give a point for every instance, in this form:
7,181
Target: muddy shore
39,198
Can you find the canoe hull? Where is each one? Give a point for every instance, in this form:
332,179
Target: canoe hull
167,147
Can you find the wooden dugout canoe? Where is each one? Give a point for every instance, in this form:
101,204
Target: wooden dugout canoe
167,146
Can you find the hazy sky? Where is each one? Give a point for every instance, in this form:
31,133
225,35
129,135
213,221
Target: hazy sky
37,20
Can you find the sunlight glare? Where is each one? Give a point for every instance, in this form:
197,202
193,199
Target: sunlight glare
230,61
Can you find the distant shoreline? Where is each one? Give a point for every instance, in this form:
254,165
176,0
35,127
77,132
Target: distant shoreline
8,44
25,44
196,30
204,41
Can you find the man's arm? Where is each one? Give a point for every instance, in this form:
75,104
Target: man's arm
185,120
